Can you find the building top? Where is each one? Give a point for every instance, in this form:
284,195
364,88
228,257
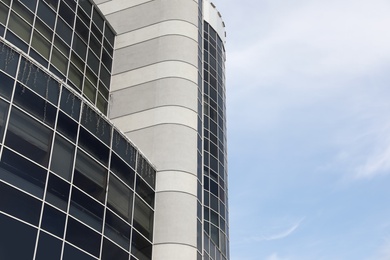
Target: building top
214,18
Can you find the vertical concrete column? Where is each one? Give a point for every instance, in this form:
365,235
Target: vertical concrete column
154,101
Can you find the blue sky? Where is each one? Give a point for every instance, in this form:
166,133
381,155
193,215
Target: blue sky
309,128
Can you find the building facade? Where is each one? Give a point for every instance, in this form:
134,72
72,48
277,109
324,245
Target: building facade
95,83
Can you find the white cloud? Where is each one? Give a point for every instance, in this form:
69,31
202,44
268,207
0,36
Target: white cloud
279,234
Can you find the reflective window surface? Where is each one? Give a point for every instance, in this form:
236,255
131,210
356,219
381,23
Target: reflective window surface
70,182
51,32
215,210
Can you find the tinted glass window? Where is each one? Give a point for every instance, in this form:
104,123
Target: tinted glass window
62,158
120,198
83,237
17,203
57,192
22,173
140,247
49,247
13,235
117,230
29,137
53,221
143,218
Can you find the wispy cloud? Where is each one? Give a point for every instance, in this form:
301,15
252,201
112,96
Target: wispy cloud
280,234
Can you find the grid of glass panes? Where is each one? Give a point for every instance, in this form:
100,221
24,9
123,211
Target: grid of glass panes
70,37
200,134
71,185
214,144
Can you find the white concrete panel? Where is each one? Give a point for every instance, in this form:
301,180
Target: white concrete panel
157,30
175,218
153,12
174,252
165,48
117,5
169,147
213,17
168,91
153,72
157,116
176,181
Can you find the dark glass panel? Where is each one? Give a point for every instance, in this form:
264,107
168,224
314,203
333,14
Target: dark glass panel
29,137
86,209
82,30
122,170
95,45
22,173
107,60
2,28
71,3
8,59
57,192
46,14
49,247
53,221
80,64
90,176
37,57
89,91
146,171
75,76
16,41
97,33
3,13
53,3
66,13
3,115
31,4
19,27
109,34
140,247
43,29
23,12
96,148
120,198
83,237
71,253
86,5
117,230
6,85
39,81
111,251
102,104
98,19
67,126
61,45
59,61
13,235
98,126
214,233
70,104
83,16
143,218
105,76
64,31
144,191
108,47
62,158
41,45
36,105
17,203
124,149
93,63
90,75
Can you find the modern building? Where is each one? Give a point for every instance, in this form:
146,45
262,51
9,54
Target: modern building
112,130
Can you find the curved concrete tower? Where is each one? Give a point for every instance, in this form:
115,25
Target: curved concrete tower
157,99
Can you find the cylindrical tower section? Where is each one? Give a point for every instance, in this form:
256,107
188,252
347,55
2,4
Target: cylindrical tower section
215,179
154,92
